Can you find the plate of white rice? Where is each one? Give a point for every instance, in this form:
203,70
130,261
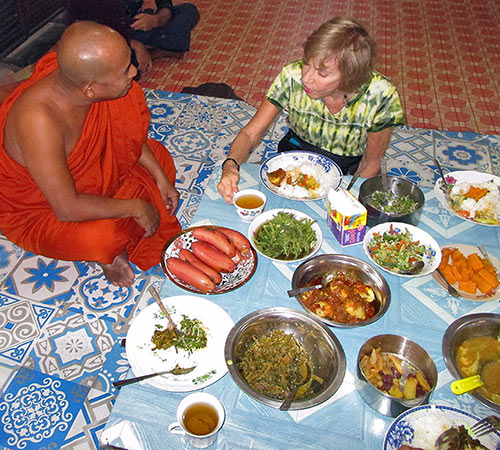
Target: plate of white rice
322,170
483,210
420,427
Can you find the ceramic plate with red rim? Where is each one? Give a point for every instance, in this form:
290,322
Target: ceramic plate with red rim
230,281
479,296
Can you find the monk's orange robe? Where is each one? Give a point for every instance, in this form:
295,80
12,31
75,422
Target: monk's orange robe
104,162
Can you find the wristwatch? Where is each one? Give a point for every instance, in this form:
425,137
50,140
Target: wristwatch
236,163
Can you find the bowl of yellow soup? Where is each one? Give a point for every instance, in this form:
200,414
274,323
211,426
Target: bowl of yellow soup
471,346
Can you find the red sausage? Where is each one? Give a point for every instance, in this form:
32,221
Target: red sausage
239,241
190,274
216,238
213,257
191,258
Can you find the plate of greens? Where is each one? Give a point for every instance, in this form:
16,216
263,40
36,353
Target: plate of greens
285,235
394,246
196,359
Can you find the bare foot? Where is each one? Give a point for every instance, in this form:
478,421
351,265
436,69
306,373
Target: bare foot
160,53
119,272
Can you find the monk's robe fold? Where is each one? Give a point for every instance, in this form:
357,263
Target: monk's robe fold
105,161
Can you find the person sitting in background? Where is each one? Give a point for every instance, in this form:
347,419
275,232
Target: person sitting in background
337,105
79,180
153,28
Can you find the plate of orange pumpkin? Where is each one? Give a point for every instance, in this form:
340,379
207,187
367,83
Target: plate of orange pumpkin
469,272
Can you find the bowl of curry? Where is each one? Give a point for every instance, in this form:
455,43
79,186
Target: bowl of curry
355,295
471,346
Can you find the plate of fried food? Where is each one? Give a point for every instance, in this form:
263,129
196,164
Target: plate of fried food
300,175
472,275
194,359
209,259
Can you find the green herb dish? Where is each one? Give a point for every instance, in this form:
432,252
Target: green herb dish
391,203
285,235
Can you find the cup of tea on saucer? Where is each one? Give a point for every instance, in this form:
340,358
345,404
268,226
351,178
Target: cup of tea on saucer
249,203
200,416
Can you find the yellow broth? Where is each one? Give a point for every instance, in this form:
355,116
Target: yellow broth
481,355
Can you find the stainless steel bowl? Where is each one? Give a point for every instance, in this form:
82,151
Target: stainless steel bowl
320,265
326,352
399,186
466,327
407,350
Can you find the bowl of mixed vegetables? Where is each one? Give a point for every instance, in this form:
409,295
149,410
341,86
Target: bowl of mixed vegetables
271,350
402,202
395,247
285,235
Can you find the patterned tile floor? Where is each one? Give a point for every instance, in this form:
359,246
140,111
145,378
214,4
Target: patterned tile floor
62,324
443,55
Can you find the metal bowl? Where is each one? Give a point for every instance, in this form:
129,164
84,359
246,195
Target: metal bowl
322,264
326,352
466,327
399,186
407,350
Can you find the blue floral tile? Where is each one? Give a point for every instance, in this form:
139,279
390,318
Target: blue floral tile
37,410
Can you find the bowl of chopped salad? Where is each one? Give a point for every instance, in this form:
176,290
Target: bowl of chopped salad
403,202
285,235
395,246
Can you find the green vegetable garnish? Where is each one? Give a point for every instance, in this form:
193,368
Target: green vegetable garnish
395,250
285,237
193,336
389,202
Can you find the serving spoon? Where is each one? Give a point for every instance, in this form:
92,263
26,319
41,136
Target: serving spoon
293,390
416,267
324,283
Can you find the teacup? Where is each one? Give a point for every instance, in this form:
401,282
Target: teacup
249,203
199,418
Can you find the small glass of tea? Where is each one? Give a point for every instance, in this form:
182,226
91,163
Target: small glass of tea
199,418
249,203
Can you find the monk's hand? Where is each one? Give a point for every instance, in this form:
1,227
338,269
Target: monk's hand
169,194
145,22
147,217
228,183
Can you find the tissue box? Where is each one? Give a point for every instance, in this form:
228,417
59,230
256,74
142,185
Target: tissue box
346,217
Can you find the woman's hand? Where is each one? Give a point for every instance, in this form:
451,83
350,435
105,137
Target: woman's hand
228,183
145,22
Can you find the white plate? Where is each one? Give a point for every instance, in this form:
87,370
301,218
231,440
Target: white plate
466,251
296,159
420,427
210,362
469,176
239,276
432,257
268,215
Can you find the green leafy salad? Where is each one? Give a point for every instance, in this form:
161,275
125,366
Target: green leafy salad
389,202
395,250
285,237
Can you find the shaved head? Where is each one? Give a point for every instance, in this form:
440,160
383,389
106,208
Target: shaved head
88,50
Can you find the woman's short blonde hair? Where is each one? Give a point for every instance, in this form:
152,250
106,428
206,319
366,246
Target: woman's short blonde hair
346,40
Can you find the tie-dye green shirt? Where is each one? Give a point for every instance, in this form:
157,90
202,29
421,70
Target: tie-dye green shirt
375,107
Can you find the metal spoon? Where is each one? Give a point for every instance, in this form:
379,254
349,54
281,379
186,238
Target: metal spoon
443,185
293,391
416,267
171,324
385,181
324,283
175,371
451,290
353,180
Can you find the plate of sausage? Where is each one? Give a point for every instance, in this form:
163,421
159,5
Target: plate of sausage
209,259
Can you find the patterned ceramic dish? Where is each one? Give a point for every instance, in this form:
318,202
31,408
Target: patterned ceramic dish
209,362
331,175
478,297
420,427
230,281
266,216
432,255
469,176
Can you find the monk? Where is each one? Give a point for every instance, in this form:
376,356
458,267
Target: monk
79,180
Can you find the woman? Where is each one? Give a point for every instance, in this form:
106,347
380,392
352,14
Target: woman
336,104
